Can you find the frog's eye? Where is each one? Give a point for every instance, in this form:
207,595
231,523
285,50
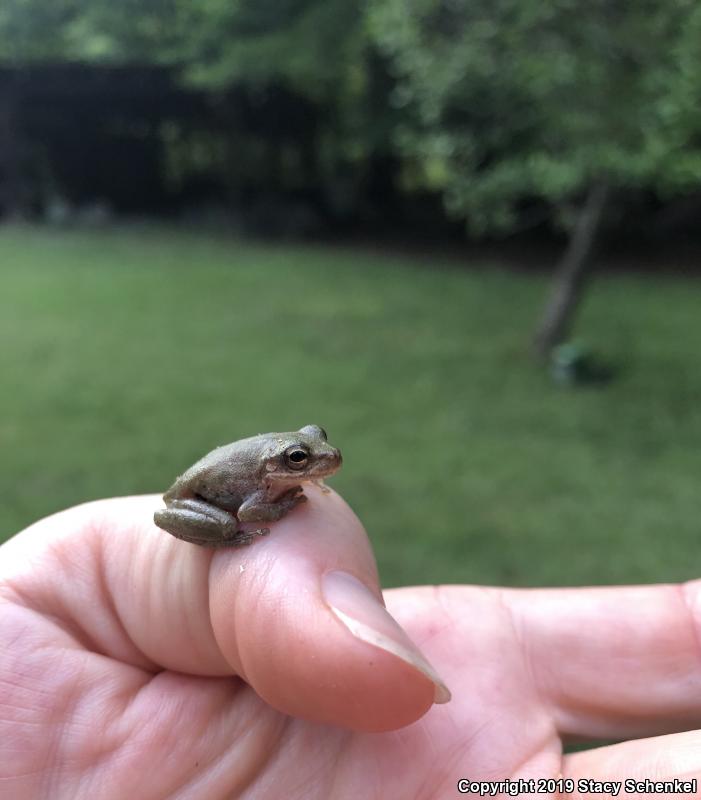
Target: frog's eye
296,457
323,435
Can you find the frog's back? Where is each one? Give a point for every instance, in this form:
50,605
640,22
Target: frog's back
225,474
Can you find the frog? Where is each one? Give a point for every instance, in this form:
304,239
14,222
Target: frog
257,479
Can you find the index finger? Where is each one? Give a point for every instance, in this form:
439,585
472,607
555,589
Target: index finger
614,662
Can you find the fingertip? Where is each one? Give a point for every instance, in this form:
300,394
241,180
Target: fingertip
369,621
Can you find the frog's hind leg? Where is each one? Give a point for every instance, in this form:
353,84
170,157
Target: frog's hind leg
201,523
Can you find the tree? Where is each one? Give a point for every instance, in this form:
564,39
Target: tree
557,107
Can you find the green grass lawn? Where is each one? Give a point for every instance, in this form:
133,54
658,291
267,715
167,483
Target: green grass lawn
127,354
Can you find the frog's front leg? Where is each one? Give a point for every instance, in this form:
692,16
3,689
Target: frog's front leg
258,508
202,523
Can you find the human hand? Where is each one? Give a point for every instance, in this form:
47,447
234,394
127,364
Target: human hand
121,647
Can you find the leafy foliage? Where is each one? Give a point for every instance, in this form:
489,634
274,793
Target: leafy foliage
503,104
306,43
319,50
517,99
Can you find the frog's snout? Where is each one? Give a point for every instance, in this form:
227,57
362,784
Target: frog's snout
332,460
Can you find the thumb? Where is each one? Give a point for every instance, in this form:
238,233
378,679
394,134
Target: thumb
298,614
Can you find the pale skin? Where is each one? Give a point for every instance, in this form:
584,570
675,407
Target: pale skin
137,665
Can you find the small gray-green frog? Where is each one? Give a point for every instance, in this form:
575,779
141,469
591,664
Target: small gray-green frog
252,480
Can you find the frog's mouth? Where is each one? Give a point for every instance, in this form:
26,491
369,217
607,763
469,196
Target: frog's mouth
320,483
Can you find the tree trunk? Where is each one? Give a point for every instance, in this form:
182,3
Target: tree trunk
571,273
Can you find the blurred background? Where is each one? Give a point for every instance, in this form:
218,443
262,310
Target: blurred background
462,235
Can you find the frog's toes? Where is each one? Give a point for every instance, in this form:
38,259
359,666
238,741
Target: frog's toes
246,537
